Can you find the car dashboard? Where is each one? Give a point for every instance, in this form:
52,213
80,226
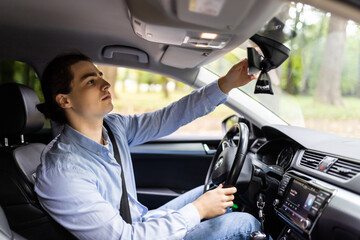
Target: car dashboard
318,195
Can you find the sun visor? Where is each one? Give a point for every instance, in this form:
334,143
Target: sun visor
183,57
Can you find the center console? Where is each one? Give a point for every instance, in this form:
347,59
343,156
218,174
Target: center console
300,207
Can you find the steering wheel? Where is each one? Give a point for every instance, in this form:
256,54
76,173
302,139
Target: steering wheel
228,162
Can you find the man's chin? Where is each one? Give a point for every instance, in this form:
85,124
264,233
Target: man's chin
111,107
107,109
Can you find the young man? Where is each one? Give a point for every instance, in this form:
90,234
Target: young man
79,182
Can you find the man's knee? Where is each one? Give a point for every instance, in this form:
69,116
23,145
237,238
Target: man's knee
245,222
235,225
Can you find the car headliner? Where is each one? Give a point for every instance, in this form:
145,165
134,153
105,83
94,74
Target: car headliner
36,31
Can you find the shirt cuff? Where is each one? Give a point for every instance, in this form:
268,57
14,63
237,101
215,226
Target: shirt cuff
191,216
214,93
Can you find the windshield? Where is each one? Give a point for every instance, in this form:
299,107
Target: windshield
318,86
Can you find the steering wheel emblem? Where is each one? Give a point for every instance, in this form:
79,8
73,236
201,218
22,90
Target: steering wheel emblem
219,163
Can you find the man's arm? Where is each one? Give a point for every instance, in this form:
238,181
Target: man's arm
78,206
145,127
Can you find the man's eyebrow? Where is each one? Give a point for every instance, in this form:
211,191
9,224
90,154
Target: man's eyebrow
90,74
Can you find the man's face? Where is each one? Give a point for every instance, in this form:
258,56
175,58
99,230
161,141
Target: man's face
90,97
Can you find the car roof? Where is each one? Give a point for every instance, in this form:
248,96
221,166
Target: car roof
36,31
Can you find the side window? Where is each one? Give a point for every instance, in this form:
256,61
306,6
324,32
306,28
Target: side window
137,91
19,72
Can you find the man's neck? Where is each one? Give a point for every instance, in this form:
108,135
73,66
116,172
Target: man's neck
91,129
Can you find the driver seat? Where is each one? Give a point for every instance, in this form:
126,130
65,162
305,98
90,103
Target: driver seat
18,163
5,232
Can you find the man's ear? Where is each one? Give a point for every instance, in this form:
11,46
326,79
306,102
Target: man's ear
63,100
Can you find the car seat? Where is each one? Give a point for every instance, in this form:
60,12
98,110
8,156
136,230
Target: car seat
5,231
18,163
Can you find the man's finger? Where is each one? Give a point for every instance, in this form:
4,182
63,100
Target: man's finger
240,64
229,198
230,190
229,204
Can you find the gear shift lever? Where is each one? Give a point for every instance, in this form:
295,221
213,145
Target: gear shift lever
258,236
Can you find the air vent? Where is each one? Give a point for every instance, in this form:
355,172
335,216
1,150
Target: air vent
257,144
311,159
345,169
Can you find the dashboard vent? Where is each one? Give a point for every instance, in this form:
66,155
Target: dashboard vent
311,159
344,169
257,145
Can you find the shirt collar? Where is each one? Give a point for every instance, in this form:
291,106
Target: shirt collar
84,141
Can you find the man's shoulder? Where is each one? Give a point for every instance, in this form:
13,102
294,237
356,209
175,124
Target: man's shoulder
61,154
115,118
117,122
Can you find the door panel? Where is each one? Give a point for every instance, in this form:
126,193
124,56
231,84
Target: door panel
165,169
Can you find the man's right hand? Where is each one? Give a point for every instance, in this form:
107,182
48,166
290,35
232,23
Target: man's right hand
214,202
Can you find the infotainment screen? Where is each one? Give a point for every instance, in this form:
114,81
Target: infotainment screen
300,203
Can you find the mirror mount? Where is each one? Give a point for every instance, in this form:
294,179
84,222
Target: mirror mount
274,54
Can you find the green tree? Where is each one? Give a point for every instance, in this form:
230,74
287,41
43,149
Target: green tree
294,67
314,33
19,72
329,92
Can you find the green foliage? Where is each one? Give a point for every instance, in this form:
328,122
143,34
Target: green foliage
294,78
350,74
307,50
232,57
145,77
315,110
19,72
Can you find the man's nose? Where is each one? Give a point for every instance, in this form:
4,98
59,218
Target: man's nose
106,85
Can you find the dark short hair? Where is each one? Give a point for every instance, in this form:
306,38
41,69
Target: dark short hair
55,80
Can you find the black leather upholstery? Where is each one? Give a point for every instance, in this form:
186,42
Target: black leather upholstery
27,158
18,104
5,231
18,163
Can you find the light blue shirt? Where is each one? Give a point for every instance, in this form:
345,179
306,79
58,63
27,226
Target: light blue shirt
79,181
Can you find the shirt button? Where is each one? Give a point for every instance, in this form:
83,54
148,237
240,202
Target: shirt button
98,152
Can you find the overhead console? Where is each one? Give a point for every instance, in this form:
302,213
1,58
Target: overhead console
301,206
203,26
199,23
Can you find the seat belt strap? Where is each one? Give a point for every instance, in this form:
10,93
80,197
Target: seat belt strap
124,201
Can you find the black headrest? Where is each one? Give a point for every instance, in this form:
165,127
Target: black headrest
19,114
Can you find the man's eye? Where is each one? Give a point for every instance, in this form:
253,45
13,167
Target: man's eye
90,82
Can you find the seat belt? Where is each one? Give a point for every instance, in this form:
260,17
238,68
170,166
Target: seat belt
124,201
